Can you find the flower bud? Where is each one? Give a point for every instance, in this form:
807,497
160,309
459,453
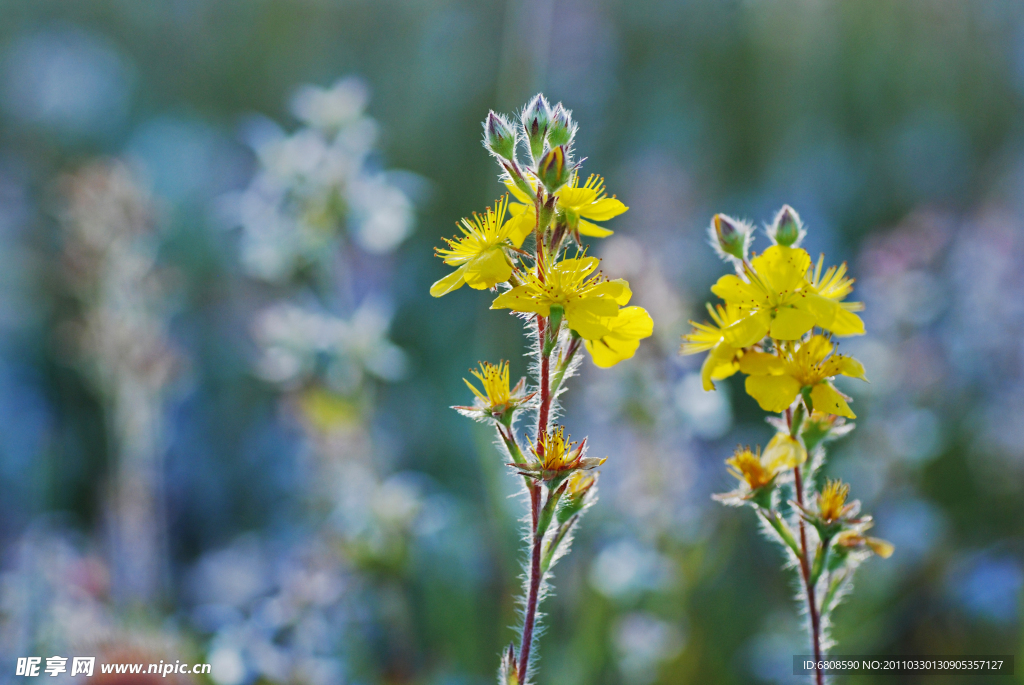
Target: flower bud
509,671
553,171
730,237
563,128
536,119
499,136
787,229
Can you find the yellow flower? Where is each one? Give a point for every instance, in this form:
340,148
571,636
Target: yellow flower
588,300
832,504
756,470
575,203
776,381
494,379
834,285
855,539
496,398
588,202
480,253
777,298
556,457
723,359
747,467
626,330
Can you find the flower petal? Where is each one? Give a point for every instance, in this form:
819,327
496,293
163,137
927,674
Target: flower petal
575,198
593,230
761,364
790,323
517,194
520,226
452,281
773,393
603,209
583,266
520,299
783,268
487,270
846,323
748,330
720,363
609,350
735,290
839,364
783,452
829,400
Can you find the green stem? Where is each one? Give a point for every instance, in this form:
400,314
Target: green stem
782,529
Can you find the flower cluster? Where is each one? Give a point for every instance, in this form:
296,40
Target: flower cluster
777,324
553,208
529,249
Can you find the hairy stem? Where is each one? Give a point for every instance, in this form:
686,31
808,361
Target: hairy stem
805,572
535,576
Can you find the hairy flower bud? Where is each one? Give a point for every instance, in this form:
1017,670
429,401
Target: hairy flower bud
499,136
730,237
563,128
536,120
553,169
509,671
787,229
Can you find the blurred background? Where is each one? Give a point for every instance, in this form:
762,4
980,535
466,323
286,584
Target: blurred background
224,387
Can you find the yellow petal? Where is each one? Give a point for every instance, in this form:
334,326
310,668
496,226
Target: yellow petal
783,452
517,194
520,226
584,266
518,299
609,350
720,363
749,330
487,270
814,350
827,399
735,290
593,230
575,198
604,209
821,308
773,393
783,268
452,281
790,323
589,316
847,366
633,323
618,290
761,364
846,323
882,548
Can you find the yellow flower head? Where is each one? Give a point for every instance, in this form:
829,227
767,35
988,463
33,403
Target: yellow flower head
747,467
494,379
479,253
556,457
723,360
588,300
496,398
776,381
779,300
832,501
588,202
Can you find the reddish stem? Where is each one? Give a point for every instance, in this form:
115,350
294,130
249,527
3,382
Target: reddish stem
534,591
805,571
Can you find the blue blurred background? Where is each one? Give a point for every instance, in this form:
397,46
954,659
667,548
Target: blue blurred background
224,387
